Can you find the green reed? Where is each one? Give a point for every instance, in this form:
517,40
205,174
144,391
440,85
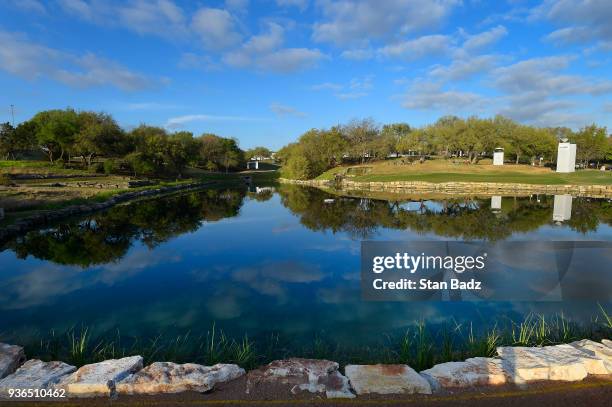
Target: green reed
420,345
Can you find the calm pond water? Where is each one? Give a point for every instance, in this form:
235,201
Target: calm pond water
277,261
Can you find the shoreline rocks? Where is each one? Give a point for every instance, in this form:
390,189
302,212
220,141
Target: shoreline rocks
11,356
312,375
478,371
100,379
558,362
168,377
112,378
35,374
386,379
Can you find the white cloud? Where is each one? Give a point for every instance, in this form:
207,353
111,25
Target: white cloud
264,53
465,68
216,28
542,75
162,18
582,20
358,54
350,22
257,44
427,96
357,88
484,39
427,45
290,60
34,6
536,91
570,35
181,121
24,58
283,110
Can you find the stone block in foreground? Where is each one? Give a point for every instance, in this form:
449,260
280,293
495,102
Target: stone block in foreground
167,377
471,372
386,379
558,362
35,374
99,379
313,375
596,350
11,356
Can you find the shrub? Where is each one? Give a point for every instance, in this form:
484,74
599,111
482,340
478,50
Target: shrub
110,166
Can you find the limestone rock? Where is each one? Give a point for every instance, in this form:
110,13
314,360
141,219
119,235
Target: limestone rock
386,379
559,362
11,356
313,375
607,342
35,374
99,379
596,350
472,372
167,377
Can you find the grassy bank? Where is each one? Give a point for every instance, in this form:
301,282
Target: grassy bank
439,171
23,197
420,346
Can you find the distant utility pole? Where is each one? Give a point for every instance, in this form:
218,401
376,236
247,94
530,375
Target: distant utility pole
13,114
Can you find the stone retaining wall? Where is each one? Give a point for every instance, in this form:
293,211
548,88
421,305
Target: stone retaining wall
41,219
111,378
461,188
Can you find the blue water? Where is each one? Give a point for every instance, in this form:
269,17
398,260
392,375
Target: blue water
279,262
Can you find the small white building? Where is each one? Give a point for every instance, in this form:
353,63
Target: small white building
566,157
498,156
253,165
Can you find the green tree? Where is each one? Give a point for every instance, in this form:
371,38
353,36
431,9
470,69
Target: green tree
7,140
55,131
359,135
591,143
182,150
261,152
219,153
99,135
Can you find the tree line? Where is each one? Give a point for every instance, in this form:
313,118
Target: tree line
82,136
473,138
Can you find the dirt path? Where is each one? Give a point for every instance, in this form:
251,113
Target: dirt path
592,393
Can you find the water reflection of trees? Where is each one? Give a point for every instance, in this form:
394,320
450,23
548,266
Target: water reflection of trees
460,218
106,237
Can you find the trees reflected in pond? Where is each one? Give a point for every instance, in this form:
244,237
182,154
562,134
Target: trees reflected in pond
461,218
107,236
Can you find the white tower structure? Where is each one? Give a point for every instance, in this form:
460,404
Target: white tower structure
566,157
498,156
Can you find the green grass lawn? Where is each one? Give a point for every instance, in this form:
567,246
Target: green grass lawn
585,177
439,171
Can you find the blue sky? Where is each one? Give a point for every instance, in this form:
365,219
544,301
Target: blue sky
266,71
